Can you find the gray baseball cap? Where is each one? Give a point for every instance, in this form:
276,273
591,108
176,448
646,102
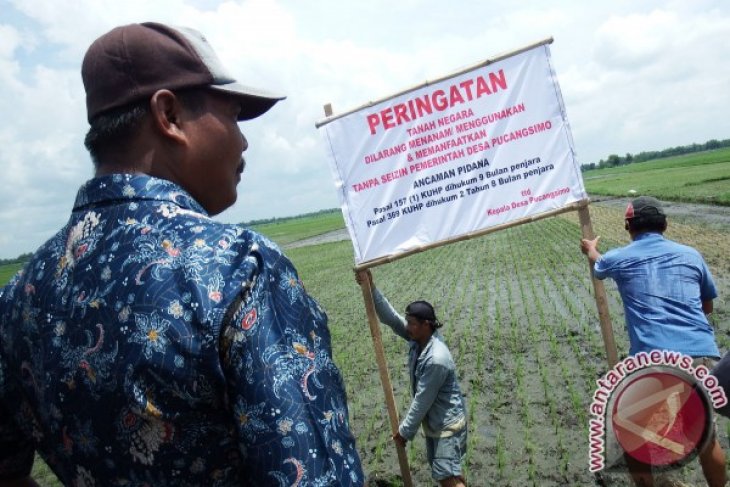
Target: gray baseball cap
133,61
644,206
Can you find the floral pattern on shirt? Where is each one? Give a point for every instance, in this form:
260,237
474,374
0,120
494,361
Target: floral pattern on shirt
146,344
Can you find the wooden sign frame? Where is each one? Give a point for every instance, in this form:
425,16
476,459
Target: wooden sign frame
599,290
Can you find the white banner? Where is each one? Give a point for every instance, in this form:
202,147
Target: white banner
478,149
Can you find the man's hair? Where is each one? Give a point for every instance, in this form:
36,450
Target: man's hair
647,223
113,131
423,311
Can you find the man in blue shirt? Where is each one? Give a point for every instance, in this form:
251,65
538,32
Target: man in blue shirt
667,290
146,343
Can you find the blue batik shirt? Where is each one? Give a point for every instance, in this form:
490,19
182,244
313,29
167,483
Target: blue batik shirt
146,344
662,285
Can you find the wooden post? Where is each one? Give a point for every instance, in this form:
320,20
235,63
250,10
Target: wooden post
586,228
367,295
365,284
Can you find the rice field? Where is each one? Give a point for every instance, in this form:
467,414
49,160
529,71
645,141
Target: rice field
701,177
521,322
7,271
294,229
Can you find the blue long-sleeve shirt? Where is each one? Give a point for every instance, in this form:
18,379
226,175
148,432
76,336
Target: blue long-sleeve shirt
437,401
662,286
147,344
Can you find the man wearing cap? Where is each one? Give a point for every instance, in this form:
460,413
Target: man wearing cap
438,406
145,343
667,291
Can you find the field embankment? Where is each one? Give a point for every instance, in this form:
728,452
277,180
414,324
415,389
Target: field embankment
296,229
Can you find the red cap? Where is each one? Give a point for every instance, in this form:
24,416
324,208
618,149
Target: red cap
644,206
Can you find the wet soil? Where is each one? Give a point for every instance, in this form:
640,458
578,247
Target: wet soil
522,326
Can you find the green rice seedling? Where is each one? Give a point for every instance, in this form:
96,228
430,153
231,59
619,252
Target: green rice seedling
531,468
564,455
540,319
501,455
411,452
380,447
554,347
577,402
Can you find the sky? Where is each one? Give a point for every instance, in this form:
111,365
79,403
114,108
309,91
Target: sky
634,76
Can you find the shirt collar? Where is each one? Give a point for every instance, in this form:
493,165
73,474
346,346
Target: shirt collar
133,187
648,235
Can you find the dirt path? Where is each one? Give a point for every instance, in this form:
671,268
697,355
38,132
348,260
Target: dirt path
715,217
333,236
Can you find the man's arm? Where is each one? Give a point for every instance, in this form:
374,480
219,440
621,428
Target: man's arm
285,396
385,311
17,452
708,290
427,389
388,315
590,249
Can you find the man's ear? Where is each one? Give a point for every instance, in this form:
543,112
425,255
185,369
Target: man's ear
166,111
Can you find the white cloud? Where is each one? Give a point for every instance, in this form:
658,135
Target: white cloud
635,76
9,41
655,79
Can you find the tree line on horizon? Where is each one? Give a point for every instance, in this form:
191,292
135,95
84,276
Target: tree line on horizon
21,259
612,160
615,160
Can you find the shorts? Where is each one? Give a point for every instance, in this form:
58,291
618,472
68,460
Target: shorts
446,454
710,363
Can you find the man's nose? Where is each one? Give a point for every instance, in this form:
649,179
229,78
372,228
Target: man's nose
245,142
